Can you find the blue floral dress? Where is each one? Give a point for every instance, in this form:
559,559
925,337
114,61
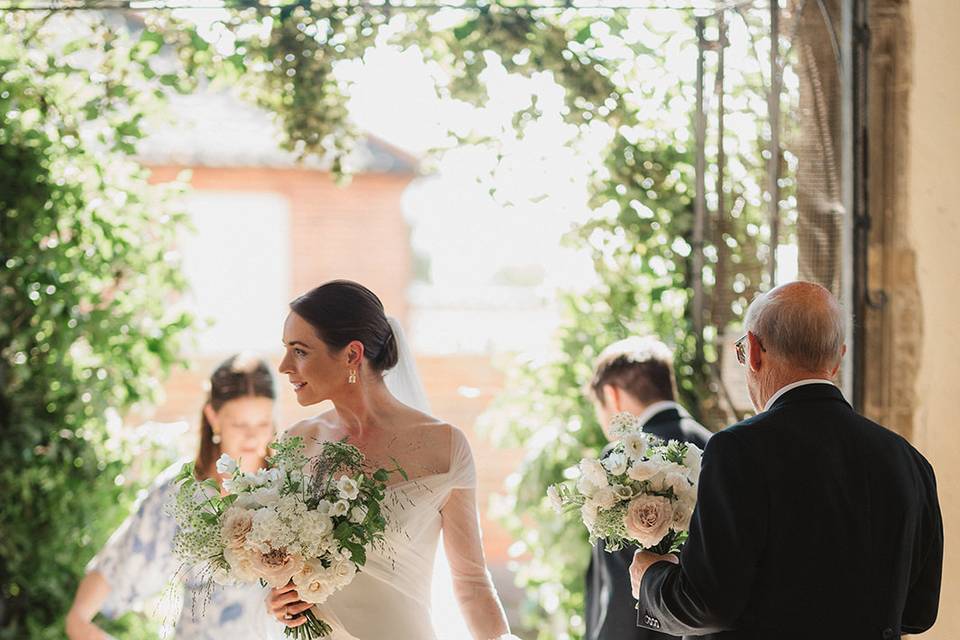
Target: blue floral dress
139,564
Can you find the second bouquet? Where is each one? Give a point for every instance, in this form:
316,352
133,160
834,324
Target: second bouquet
641,492
311,521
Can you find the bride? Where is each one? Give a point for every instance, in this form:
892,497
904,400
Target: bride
339,344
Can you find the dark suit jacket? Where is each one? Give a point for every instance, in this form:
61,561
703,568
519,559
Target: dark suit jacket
611,608
811,521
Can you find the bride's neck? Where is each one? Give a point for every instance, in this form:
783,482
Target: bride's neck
364,408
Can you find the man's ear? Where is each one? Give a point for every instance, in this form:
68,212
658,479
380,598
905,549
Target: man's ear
612,398
754,353
843,352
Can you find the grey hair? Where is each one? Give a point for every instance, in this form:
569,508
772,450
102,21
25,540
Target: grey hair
802,322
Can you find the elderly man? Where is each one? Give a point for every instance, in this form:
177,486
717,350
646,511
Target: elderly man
811,521
635,376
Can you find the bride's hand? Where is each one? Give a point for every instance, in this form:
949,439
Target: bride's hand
285,605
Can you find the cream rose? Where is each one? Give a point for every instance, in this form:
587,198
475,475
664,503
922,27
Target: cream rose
241,563
682,513
343,571
237,523
648,519
605,497
643,470
314,582
276,567
594,472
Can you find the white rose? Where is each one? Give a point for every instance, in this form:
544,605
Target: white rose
343,571
594,472
226,465
643,470
677,481
348,488
691,460
588,513
586,487
605,497
616,463
240,561
313,582
553,495
339,508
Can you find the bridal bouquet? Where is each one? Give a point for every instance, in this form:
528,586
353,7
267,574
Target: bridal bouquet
642,492
279,524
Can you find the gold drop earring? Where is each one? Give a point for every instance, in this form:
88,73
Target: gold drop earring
352,379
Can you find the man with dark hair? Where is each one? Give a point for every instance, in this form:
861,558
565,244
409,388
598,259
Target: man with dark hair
634,376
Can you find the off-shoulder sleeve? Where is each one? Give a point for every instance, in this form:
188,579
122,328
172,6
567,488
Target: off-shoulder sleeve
463,544
138,561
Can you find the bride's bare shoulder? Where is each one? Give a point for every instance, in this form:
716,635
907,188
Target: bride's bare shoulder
311,428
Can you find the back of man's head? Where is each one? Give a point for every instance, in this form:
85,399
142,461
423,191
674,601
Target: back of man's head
800,323
642,367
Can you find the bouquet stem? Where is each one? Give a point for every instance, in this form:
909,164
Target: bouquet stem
314,628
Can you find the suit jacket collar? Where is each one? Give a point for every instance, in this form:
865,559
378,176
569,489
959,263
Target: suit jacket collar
818,391
670,414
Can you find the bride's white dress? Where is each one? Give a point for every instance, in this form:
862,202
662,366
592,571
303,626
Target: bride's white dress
391,596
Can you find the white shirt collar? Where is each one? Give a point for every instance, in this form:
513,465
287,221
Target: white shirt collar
791,386
656,408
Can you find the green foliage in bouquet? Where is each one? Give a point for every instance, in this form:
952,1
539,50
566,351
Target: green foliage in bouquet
86,292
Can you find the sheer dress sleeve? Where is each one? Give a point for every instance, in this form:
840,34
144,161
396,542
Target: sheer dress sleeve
138,561
463,545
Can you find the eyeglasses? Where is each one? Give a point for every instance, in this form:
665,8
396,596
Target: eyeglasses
741,347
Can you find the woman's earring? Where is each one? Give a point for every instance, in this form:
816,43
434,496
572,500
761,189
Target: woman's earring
353,376
216,438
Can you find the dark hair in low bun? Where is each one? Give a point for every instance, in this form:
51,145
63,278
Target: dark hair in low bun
341,311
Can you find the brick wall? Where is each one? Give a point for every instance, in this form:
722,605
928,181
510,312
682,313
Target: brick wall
356,232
